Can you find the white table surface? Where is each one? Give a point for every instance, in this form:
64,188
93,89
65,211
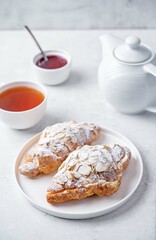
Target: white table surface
77,99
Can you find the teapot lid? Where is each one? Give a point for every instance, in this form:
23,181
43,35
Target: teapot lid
132,51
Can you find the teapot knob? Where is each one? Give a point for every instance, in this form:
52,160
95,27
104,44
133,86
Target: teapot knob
133,42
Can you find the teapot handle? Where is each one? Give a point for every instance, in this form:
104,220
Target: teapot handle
151,109
150,68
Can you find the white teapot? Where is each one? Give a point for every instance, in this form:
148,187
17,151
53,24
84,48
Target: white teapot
127,74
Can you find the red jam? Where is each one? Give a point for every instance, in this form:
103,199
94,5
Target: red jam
53,62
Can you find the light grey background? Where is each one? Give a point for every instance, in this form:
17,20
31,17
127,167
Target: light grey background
78,99
79,14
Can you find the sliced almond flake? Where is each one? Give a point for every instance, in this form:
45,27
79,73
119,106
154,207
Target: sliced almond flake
93,154
84,170
68,183
68,174
72,162
61,170
64,168
117,153
83,180
59,181
106,155
124,159
101,181
76,167
78,184
74,154
83,155
127,154
91,161
88,133
76,175
60,135
101,167
62,179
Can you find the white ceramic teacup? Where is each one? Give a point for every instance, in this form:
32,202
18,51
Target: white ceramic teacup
53,76
28,118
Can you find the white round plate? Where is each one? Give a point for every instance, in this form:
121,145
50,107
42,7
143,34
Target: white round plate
35,189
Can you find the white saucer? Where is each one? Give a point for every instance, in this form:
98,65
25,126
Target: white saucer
35,189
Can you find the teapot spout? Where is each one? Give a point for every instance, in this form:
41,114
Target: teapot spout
109,42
